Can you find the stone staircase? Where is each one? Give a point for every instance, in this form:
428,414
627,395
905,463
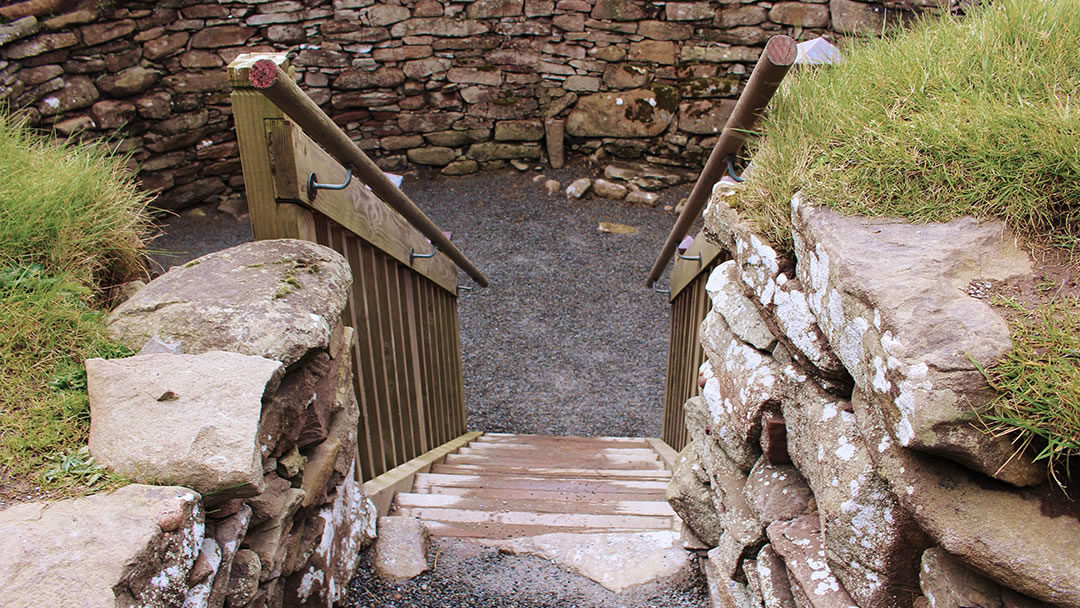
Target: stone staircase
502,486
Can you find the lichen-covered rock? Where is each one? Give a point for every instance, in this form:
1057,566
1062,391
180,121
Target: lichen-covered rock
741,384
892,299
742,534
692,499
947,583
743,318
1024,539
276,299
871,543
770,279
401,552
777,492
799,543
773,579
348,525
131,547
634,113
205,414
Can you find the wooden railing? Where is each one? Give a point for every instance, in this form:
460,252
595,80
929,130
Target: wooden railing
406,356
689,305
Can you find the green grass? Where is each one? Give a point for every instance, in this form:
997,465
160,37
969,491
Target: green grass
1039,382
71,227
975,116
971,116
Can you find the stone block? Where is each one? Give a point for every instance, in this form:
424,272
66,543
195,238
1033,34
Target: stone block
159,48
618,10
692,499
635,113
705,116
434,155
250,313
688,11
799,14
142,541
221,36
799,543
519,130
734,15
402,547
486,151
78,92
655,51
489,9
461,167
204,435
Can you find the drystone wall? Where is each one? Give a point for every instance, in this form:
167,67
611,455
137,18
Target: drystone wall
237,424
836,457
461,85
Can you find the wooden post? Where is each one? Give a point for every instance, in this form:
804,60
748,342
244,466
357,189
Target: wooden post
251,110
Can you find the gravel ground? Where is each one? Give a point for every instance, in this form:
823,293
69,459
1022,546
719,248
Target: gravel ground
565,341
468,575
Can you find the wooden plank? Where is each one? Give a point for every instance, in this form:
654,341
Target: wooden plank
442,357
504,531
561,472
515,437
578,463
554,444
295,156
399,357
382,489
393,405
435,363
540,454
458,370
428,480
614,507
408,281
250,110
667,453
557,522
377,337
427,362
372,396
685,271
557,495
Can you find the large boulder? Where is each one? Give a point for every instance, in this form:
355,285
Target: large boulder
276,299
188,419
871,543
635,113
891,297
1024,539
132,547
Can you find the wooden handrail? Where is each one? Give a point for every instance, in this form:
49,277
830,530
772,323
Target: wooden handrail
775,61
266,76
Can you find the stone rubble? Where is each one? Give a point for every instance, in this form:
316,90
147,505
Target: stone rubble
834,429
258,420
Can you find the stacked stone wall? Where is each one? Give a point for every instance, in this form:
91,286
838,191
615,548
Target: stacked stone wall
837,456
462,85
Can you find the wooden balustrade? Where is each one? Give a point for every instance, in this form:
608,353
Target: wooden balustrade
406,356
689,305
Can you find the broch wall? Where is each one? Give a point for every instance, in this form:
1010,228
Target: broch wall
237,426
461,85
836,456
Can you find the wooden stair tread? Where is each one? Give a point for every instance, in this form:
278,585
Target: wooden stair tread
528,518
426,480
574,473
496,503
550,461
572,496
504,486
495,531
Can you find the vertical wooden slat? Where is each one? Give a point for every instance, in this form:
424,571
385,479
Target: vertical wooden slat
367,357
408,281
447,336
427,378
459,372
399,357
439,368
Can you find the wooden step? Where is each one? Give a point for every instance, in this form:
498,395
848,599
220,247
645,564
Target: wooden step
558,522
554,462
505,531
632,442
564,472
508,494
523,451
424,481
499,503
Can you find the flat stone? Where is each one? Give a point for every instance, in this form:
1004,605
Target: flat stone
718,54
640,197
386,14
777,492
691,498
243,578
742,316
663,30
618,10
402,548
206,423
655,51
142,542
578,187
166,45
918,368
851,17
252,312
625,76
773,579
731,16
77,92
221,36
461,167
799,543
110,114
609,190
705,116
697,88
1023,539
489,77
488,9
505,151
800,14
439,26
635,113
39,45
688,11
947,583
617,561
434,155
519,130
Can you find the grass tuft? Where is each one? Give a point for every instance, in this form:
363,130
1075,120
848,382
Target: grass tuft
72,225
956,116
